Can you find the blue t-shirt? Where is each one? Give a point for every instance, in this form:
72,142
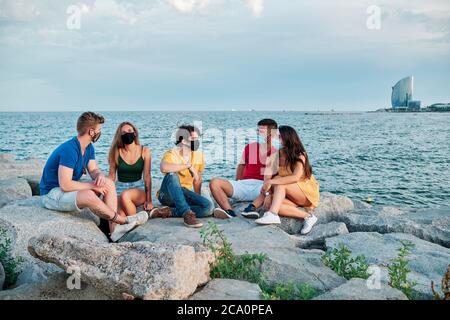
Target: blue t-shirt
68,155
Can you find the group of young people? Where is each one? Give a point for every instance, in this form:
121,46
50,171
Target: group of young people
274,173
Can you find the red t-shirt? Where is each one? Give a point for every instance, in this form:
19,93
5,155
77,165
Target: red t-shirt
254,163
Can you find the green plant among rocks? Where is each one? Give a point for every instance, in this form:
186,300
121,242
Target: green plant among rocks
247,267
340,260
288,291
10,265
445,287
399,269
228,265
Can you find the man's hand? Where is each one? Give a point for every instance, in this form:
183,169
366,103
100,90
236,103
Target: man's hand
266,186
100,181
100,190
148,205
194,173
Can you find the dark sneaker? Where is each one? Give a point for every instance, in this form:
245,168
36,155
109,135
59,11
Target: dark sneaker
163,212
191,221
250,212
219,213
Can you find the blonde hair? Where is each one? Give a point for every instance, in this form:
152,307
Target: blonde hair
88,120
117,143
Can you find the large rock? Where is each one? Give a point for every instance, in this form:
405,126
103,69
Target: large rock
14,189
33,181
330,208
428,224
27,218
228,289
427,261
316,238
2,276
11,168
142,269
55,288
357,289
284,261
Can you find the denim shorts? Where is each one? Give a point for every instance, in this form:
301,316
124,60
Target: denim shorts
122,186
59,200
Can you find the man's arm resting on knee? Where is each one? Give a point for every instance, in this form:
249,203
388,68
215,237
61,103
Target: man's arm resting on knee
95,173
167,167
67,184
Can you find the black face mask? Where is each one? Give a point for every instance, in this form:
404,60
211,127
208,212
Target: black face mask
195,145
96,136
128,138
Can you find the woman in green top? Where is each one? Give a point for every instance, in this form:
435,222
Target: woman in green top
130,162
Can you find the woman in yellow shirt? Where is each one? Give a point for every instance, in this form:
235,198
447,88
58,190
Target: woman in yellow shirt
293,184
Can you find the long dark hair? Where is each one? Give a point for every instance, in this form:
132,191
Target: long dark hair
117,143
293,149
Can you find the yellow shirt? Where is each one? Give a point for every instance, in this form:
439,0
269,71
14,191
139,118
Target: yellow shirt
173,156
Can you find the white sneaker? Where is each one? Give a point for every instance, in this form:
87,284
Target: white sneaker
140,218
121,229
269,218
309,222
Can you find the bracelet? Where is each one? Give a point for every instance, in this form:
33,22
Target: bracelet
114,219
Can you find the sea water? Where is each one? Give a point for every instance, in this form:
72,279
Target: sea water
394,159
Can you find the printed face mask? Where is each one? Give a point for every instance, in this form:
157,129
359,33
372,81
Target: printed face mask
128,138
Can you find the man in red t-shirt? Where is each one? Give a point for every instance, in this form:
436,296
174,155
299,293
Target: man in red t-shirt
249,173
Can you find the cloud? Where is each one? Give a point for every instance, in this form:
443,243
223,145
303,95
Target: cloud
256,7
188,6
18,10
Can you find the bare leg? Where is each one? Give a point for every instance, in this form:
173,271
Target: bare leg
268,202
221,190
258,202
288,207
88,199
129,200
110,198
120,212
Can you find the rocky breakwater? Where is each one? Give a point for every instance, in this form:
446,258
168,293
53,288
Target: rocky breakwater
165,260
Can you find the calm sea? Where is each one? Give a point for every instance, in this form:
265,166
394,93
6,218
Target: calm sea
396,159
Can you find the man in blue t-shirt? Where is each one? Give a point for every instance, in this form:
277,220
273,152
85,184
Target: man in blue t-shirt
61,189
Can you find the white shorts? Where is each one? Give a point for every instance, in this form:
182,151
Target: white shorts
59,200
246,190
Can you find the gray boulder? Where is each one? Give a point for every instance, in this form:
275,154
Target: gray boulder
27,218
14,189
427,261
428,224
316,238
55,288
2,276
33,181
11,168
142,269
284,261
330,208
228,289
357,289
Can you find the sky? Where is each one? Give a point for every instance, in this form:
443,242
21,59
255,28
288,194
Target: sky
305,55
